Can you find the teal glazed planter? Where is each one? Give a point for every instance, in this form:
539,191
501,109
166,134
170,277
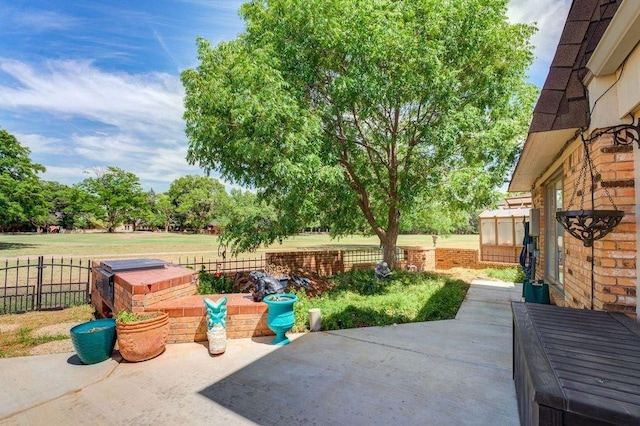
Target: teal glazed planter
94,340
280,316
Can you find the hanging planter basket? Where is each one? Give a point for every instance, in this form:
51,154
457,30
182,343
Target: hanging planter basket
589,225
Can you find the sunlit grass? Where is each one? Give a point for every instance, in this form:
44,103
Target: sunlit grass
18,341
514,274
361,300
171,246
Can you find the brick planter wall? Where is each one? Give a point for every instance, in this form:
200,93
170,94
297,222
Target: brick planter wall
423,258
325,263
138,290
188,322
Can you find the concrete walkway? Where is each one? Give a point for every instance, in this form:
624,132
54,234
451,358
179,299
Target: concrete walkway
452,372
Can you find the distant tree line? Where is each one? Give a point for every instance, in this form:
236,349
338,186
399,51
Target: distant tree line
114,197
111,198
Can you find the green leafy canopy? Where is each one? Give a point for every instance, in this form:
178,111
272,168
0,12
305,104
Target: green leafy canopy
351,113
21,195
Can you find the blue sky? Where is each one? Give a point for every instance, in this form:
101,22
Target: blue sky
90,84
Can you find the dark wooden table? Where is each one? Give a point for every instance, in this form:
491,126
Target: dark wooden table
575,367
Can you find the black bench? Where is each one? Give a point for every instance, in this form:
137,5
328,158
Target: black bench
575,367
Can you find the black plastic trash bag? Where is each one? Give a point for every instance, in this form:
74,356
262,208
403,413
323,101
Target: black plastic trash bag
265,284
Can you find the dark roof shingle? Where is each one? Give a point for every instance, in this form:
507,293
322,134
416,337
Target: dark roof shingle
563,102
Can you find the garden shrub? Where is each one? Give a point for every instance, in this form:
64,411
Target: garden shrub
216,283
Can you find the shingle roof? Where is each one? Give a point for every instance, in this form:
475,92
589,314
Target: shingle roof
563,102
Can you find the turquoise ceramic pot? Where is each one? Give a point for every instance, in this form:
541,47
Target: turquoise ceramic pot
280,317
94,340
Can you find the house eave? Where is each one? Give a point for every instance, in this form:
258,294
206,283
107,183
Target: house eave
619,39
540,151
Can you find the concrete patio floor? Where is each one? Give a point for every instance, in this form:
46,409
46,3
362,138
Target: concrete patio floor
453,372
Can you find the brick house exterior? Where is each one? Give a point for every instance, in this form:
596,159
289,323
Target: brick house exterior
593,84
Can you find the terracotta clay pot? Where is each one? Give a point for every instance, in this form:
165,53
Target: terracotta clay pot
143,340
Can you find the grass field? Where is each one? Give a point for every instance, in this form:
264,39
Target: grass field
171,246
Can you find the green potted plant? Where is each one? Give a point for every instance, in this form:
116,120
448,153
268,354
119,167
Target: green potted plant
141,336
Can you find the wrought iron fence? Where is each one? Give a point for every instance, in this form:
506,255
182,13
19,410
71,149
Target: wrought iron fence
349,257
38,283
224,265
372,255
49,283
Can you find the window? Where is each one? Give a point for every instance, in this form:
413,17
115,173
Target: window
553,241
488,227
505,231
519,225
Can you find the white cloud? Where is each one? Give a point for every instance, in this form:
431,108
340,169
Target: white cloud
549,17
37,20
39,143
79,89
111,148
132,121
66,175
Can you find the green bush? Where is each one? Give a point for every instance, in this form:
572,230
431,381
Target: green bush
215,283
360,300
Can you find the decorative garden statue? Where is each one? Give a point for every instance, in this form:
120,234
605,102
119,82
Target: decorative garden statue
216,325
382,270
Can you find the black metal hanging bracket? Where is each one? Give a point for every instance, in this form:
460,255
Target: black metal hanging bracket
623,134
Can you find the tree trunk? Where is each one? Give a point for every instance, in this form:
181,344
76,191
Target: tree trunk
389,242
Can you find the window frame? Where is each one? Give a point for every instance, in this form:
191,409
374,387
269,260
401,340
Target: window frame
554,232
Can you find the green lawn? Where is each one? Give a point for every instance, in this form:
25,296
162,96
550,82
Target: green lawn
171,246
361,300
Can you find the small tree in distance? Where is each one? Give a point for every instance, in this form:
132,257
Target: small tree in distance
353,113
197,200
117,194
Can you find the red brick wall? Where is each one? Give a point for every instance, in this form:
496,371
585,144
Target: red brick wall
614,264
326,263
331,262
424,259
447,258
187,317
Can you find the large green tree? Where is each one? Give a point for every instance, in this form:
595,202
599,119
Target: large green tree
22,200
70,206
116,195
355,111
247,222
197,200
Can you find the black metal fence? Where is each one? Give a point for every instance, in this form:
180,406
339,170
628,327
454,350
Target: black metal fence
41,283
349,257
224,265
38,284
